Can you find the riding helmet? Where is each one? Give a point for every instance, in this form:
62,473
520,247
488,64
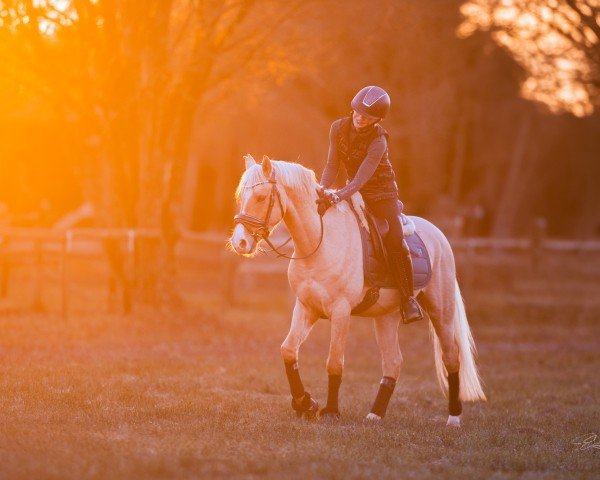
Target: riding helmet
372,102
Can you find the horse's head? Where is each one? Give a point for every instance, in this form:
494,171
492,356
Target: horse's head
262,206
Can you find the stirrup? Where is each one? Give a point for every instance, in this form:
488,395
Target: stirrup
411,311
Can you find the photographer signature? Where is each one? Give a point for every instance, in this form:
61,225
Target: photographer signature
587,442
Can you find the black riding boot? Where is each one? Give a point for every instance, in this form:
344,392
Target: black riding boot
401,265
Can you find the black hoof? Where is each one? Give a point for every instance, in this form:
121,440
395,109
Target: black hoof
329,415
307,407
313,410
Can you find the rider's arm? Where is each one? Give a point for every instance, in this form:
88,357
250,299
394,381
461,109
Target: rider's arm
366,169
333,162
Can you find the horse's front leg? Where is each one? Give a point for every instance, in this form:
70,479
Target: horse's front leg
340,324
386,333
303,320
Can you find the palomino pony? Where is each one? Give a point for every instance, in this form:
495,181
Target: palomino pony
326,275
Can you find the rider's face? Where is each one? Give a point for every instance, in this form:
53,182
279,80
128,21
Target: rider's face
362,121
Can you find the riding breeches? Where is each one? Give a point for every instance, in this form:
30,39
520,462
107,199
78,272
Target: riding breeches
390,210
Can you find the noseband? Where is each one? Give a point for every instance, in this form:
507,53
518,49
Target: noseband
259,229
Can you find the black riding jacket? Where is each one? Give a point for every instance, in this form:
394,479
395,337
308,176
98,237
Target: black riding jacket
364,154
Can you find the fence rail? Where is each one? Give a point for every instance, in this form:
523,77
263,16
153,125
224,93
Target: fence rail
37,241
525,244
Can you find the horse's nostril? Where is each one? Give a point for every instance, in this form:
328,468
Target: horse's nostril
243,244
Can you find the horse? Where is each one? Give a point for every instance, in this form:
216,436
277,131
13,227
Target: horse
326,276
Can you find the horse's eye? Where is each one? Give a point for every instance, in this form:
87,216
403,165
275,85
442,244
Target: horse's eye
260,198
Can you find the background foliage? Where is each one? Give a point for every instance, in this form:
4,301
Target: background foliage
143,109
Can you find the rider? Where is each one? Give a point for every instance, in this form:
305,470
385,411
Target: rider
360,144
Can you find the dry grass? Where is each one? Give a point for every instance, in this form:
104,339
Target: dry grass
204,395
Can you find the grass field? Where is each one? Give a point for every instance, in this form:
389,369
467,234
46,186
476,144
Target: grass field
203,395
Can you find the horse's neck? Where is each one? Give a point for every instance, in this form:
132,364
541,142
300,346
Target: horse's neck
303,223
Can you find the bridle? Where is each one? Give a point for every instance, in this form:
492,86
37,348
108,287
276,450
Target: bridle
259,229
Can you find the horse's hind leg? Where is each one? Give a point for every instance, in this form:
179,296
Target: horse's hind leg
303,320
386,333
440,305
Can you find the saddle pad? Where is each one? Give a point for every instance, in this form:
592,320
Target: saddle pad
420,260
376,270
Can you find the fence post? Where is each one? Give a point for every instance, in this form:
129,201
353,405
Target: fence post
466,259
64,256
469,265
230,264
4,267
538,236
127,282
458,227
37,276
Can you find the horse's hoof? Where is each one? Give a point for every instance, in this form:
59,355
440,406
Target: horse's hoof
307,407
329,415
453,421
312,412
373,417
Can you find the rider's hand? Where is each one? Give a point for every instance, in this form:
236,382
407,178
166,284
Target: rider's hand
322,206
326,198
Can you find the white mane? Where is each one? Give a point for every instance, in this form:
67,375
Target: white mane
288,174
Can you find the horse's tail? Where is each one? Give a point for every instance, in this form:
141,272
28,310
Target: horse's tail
470,384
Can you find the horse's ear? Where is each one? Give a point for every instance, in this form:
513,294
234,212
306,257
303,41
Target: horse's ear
267,166
249,159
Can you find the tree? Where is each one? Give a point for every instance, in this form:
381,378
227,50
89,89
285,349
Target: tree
131,77
557,45
557,42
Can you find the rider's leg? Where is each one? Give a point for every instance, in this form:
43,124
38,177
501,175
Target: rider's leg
399,257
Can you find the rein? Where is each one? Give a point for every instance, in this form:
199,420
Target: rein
259,229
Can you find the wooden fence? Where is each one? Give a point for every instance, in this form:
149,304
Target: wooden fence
37,241
34,242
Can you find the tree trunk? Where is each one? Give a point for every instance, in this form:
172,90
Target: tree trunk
507,208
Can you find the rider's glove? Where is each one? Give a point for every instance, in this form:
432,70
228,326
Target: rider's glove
326,198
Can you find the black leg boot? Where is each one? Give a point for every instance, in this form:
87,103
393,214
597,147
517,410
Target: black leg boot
401,265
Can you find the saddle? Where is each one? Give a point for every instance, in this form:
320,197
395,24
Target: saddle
375,264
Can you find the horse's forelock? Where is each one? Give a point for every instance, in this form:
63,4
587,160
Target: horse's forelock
251,176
